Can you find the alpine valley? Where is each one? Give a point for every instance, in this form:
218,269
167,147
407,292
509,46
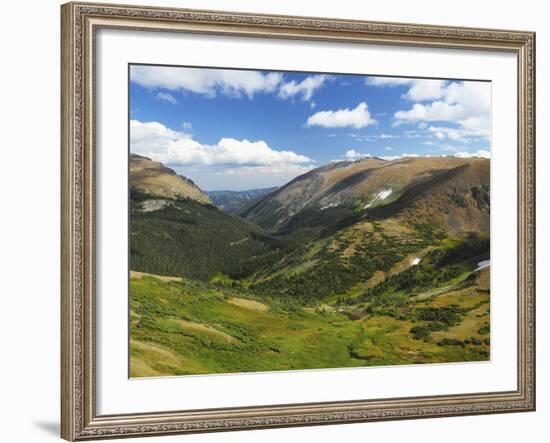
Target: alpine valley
355,263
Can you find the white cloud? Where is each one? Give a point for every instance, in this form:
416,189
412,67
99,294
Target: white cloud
210,82
435,111
187,126
352,154
388,81
462,134
465,104
249,177
422,90
152,137
155,140
386,136
359,117
482,153
167,97
280,170
395,157
305,88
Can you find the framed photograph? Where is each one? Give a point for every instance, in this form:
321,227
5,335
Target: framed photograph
283,221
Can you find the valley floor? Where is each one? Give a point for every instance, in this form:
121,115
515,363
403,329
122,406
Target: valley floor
182,327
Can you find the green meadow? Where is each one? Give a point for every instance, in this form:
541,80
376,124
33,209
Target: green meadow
183,327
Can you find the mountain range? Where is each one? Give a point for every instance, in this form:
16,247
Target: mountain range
336,225
452,192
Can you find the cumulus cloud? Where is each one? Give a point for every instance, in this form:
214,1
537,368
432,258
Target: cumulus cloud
359,117
436,111
251,177
352,154
290,170
465,104
209,82
422,90
419,89
306,88
152,138
155,140
482,153
462,134
388,81
396,157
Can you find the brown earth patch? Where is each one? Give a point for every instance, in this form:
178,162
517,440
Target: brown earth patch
249,304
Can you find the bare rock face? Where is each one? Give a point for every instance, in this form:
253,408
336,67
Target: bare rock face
153,205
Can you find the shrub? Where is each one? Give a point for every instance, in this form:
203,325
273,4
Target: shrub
483,330
420,332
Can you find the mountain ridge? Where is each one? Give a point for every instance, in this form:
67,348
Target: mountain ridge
368,183
155,179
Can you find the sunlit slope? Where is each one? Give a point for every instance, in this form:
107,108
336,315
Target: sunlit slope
454,189
154,179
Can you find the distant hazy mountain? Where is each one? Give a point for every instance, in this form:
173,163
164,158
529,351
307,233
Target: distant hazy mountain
231,201
153,178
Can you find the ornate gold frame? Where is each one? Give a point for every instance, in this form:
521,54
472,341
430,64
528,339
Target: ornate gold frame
80,21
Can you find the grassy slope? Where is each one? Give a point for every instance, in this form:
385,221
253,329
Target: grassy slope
190,327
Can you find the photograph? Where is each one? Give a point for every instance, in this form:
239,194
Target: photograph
286,220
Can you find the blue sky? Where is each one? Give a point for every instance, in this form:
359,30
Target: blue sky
237,129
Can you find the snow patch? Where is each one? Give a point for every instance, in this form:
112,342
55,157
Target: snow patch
482,264
154,205
330,205
382,195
